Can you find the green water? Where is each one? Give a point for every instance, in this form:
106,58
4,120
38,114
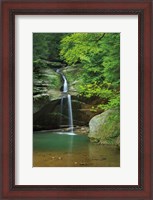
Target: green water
63,150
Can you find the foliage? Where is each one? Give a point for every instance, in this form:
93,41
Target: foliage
40,47
99,57
45,57
37,64
46,46
95,55
112,126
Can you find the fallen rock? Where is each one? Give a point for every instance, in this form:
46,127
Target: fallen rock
105,128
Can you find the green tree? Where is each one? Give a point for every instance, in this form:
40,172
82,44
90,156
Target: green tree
46,46
99,56
40,46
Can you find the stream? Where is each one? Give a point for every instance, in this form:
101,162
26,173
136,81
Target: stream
65,150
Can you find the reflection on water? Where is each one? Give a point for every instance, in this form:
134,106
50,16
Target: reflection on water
66,150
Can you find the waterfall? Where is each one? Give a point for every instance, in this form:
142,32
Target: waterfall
65,96
70,112
65,85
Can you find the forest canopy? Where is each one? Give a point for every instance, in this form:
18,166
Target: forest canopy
98,56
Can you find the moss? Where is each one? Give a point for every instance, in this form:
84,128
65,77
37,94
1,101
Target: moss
37,64
73,75
105,128
111,127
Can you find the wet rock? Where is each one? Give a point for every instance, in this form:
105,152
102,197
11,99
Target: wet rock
73,80
81,130
83,163
50,116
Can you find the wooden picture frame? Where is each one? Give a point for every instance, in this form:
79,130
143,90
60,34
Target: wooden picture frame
12,8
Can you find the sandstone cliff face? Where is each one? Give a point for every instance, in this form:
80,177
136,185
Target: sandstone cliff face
46,85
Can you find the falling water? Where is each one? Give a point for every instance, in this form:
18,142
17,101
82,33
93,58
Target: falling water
67,96
65,85
61,117
70,112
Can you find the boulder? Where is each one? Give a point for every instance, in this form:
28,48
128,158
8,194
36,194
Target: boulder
105,128
118,141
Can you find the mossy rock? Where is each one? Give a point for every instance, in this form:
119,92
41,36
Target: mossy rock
73,74
105,128
46,85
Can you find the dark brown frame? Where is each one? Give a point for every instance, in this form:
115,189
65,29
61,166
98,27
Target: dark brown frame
10,8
